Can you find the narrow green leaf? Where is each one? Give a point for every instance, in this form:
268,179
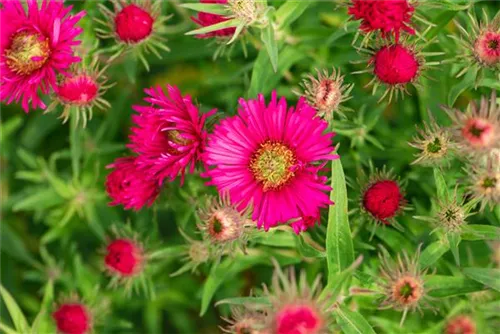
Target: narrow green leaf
446,286
222,25
352,322
263,80
13,245
454,241
166,252
487,276
7,330
480,232
308,250
75,140
336,282
244,301
339,247
465,83
226,270
433,252
442,188
207,8
267,37
442,21
290,11
18,319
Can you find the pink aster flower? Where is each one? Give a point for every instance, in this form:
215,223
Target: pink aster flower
35,46
387,16
269,157
128,186
207,19
169,135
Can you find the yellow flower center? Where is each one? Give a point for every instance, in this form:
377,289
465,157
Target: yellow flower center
28,52
271,164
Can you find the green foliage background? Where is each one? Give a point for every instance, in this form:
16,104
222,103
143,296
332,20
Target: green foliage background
54,208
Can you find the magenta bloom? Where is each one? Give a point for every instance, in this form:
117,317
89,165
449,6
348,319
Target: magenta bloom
207,19
35,46
128,186
169,135
269,157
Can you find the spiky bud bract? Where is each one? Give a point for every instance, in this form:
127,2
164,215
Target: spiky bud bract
135,26
433,143
477,130
80,91
326,92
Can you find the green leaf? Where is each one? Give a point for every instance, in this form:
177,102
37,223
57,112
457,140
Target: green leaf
7,330
306,249
446,286
465,83
226,270
454,241
263,80
487,276
336,282
75,140
456,5
339,247
222,25
290,11
442,188
217,9
442,21
433,252
13,245
244,301
18,319
166,252
352,322
480,232
267,37
39,200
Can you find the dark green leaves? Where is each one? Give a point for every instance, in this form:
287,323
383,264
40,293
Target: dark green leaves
487,276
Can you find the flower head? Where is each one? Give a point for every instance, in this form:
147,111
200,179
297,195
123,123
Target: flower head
402,283
169,135
224,225
207,19
396,66
461,324
477,131
128,186
80,91
451,213
73,318
382,197
390,17
326,92
433,143
269,157
484,181
35,46
124,257
296,306
480,46
135,25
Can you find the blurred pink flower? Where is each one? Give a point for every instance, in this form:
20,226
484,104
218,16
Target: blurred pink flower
128,186
169,135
